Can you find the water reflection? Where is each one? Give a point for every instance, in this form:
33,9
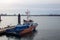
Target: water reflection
29,36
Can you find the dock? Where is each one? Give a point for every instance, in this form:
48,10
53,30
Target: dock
2,30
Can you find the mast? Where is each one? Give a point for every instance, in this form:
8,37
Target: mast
27,13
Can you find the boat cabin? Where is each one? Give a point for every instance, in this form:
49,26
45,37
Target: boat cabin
28,22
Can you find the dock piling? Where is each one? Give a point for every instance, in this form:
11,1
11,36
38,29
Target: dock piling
19,19
0,18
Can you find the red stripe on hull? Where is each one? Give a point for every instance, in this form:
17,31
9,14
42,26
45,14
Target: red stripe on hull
30,29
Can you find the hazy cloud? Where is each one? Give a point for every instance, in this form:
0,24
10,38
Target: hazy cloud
36,6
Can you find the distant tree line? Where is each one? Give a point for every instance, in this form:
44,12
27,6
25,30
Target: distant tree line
30,15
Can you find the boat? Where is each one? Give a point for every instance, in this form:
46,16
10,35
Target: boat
20,29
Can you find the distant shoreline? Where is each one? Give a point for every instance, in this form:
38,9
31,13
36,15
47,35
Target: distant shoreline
30,15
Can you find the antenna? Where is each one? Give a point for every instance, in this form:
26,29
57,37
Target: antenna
27,13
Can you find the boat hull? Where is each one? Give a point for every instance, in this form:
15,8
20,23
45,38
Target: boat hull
21,30
30,29
25,31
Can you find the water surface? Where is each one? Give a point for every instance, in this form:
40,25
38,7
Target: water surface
48,28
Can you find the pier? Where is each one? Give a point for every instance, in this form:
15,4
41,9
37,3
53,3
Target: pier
2,30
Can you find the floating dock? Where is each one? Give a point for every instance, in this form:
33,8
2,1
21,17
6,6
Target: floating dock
2,30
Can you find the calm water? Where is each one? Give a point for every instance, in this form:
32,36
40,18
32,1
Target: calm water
48,28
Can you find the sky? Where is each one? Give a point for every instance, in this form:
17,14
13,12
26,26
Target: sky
35,6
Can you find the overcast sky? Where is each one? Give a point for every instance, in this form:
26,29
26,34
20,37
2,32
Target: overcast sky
17,6
28,1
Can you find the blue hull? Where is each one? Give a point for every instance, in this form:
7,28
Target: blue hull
18,29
